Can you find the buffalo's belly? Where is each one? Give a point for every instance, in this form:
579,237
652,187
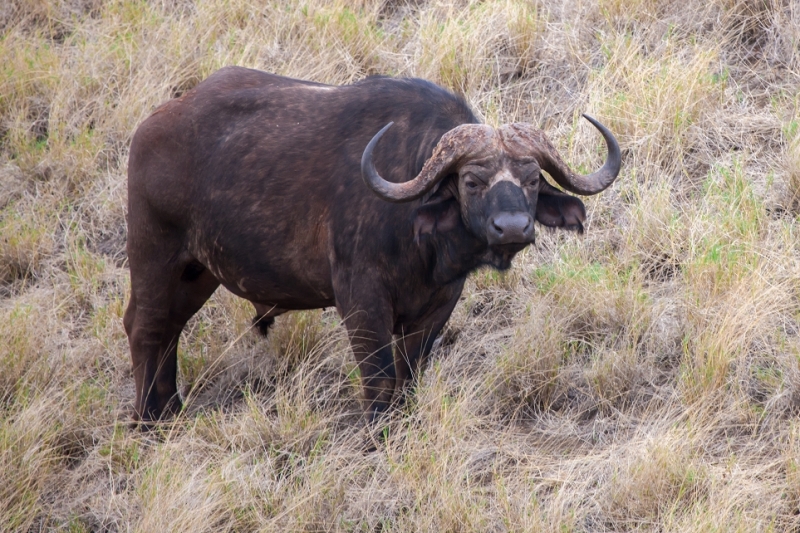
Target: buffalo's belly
270,276
284,290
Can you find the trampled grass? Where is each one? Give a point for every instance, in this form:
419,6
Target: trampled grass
642,377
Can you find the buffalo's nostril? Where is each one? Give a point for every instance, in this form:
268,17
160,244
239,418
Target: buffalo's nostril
497,228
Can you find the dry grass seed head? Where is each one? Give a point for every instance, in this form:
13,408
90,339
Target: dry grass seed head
722,331
652,104
791,163
657,235
526,372
653,481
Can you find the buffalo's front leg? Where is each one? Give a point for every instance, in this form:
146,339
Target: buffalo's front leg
415,340
369,329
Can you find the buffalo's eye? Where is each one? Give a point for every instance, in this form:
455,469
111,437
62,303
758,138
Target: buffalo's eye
531,181
472,184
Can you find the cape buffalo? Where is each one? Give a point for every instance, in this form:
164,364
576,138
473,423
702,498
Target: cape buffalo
378,198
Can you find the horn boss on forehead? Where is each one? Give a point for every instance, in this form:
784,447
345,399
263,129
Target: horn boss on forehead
457,143
526,139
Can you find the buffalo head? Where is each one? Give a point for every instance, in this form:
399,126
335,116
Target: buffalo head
496,185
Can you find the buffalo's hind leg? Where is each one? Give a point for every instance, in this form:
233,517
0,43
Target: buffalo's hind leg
166,290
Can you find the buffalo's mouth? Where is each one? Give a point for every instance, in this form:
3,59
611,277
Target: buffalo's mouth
500,255
511,248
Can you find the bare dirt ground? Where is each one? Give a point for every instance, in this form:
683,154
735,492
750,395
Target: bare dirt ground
643,377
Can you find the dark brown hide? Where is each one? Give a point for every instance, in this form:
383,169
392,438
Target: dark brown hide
253,181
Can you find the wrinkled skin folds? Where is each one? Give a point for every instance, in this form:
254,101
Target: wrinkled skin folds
254,182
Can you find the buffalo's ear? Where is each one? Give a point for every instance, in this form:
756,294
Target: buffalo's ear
440,210
436,216
559,210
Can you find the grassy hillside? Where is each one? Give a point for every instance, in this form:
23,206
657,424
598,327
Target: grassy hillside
643,377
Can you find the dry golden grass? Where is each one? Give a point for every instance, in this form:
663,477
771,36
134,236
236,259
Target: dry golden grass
643,377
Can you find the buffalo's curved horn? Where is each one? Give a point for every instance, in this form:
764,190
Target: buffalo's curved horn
453,145
536,143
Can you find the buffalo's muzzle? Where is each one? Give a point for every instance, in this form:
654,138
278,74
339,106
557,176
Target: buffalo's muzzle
510,228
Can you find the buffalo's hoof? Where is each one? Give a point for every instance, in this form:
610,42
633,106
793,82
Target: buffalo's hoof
377,425
153,417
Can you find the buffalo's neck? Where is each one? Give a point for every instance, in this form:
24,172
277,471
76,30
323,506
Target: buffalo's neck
452,255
